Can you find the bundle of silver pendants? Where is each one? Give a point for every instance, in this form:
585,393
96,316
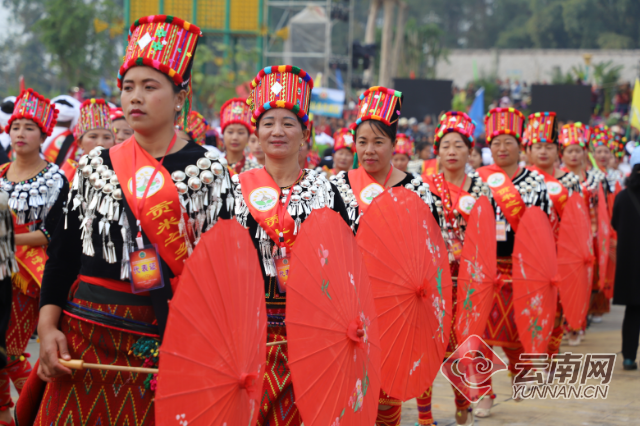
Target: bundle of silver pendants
97,190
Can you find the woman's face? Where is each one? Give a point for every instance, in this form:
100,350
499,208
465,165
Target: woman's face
121,130
374,147
453,152
343,159
505,150
148,100
573,156
255,148
475,159
97,137
280,134
543,154
236,137
400,161
602,155
26,137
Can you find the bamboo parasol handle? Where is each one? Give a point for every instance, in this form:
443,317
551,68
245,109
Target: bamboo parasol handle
79,364
275,343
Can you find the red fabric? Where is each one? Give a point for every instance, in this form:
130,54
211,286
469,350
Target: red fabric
30,398
389,417
114,285
94,397
501,326
513,355
278,405
23,320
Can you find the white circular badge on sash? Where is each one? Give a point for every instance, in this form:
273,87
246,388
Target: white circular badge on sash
263,198
370,192
495,179
142,179
466,204
553,188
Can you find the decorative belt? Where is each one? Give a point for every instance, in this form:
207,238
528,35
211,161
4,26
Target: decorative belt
111,321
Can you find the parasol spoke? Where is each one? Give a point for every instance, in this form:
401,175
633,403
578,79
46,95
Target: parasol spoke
202,364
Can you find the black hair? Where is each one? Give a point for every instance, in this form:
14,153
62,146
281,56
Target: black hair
7,107
176,89
633,181
379,127
304,127
477,150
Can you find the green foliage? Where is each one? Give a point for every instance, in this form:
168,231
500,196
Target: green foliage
218,69
562,24
423,49
560,78
607,76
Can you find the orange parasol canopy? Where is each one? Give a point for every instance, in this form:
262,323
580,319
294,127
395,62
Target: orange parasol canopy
408,265
575,261
213,354
332,328
535,279
477,272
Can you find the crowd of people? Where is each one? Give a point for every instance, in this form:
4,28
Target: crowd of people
87,187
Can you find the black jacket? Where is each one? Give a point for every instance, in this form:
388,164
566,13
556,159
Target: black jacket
626,222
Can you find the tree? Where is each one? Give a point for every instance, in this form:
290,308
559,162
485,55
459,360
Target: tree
423,49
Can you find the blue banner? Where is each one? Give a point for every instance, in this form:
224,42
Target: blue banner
327,102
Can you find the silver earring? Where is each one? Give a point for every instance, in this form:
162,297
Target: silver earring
179,107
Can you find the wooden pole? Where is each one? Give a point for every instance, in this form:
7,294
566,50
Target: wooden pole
398,42
80,365
370,37
385,51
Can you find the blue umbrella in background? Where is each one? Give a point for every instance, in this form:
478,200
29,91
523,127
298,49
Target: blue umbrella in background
476,112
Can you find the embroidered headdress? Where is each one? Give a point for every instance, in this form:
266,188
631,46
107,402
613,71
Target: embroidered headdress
163,42
197,127
600,136
31,105
404,145
504,121
454,121
343,139
542,127
94,114
281,86
236,111
379,103
574,134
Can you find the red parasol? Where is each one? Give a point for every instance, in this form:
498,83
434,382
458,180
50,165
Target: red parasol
477,272
213,355
408,265
603,237
535,268
575,261
332,330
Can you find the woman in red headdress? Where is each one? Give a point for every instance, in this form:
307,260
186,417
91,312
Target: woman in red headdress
343,152
402,152
455,193
38,191
145,194
280,103
235,122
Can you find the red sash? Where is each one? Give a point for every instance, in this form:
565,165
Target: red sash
443,189
161,218
504,193
364,187
261,195
69,168
558,193
52,151
429,167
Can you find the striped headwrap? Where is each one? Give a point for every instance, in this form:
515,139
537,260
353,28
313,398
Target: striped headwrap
33,106
281,86
504,121
454,121
197,127
94,114
381,104
343,139
404,145
542,127
574,134
236,111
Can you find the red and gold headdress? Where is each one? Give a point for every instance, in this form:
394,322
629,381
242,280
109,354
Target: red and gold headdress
618,142
116,113
504,121
281,86
454,121
33,106
94,114
404,145
163,42
197,127
379,103
542,127
343,139
236,111
600,136
574,134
